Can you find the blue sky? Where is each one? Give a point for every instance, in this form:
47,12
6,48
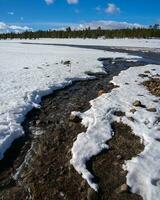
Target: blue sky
44,14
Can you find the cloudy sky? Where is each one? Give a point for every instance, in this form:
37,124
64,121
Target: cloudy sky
50,14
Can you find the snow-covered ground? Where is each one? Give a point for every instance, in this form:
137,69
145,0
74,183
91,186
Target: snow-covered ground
144,170
138,43
28,72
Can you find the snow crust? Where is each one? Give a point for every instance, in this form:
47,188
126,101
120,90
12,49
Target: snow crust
144,170
28,72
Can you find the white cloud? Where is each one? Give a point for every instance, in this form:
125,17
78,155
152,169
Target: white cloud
108,25
112,9
10,13
104,24
72,1
6,28
48,2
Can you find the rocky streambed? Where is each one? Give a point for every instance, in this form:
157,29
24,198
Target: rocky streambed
37,166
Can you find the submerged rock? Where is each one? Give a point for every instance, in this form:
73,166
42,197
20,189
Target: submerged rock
123,188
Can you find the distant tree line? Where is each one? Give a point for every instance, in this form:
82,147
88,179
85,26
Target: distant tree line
151,32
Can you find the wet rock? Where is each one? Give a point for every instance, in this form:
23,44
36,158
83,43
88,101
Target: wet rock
137,103
92,195
74,118
112,86
122,189
100,92
151,109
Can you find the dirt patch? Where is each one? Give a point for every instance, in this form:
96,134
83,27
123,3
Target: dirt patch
153,85
108,165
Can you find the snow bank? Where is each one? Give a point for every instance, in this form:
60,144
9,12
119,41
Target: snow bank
28,72
144,170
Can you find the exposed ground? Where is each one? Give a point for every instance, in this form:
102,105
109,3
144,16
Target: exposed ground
47,174
153,85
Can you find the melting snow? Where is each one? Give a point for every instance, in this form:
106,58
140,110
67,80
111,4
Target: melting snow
28,72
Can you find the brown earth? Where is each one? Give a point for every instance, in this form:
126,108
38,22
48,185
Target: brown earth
153,85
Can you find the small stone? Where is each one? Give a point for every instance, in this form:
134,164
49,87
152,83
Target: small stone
131,119
115,163
100,92
92,195
143,75
151,109
137,103
55,191
133,110
83,183
147,72
119,157
123,173
67,62
119,113
61,194
122,189
82,186
61,179
38,122
74,118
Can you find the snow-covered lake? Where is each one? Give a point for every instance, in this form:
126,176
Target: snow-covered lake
28,72
140,43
